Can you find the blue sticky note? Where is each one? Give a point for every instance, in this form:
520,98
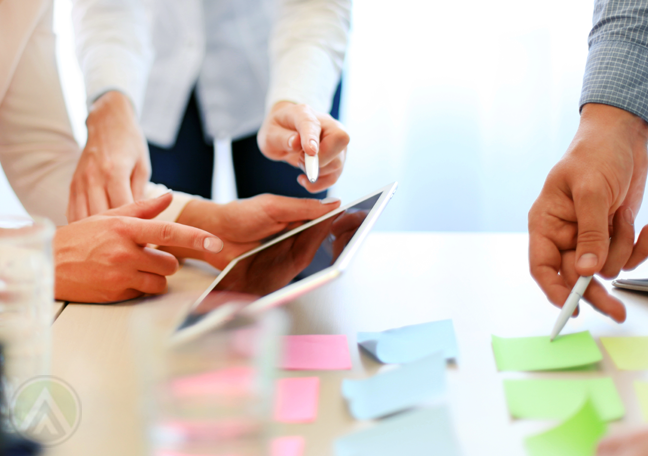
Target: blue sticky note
398,389
410,343
421,432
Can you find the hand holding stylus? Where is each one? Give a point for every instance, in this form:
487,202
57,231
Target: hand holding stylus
306,139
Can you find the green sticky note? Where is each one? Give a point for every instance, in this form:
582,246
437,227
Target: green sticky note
577,436
641,388
628,353
539,353
554,399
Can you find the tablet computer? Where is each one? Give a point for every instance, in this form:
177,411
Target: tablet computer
285,267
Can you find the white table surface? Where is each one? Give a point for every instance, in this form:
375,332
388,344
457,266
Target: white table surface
480,281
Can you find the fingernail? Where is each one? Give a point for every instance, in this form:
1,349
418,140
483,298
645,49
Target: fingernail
213,245
587,260
314,145
329,200
291,141
628,216
168,190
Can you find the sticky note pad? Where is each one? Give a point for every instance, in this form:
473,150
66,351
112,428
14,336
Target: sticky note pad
316,352
539,353
287,446
628,353
411,343
417,433
577,436
296,400
232,381
641,388
549,399
404,387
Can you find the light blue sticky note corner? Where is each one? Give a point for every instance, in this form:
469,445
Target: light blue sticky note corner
411,343
398,389
421,432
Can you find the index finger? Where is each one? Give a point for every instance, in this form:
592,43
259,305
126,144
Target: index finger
169,234
119,191
302,118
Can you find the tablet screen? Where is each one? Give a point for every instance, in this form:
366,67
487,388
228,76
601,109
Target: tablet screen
293,259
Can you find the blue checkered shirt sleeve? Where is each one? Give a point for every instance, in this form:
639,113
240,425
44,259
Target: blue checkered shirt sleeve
617,65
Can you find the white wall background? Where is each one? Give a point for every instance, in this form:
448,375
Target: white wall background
467,104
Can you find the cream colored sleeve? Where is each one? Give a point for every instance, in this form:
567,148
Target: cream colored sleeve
37,150
180,200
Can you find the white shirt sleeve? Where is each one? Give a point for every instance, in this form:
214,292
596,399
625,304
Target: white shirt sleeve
113,47
307,49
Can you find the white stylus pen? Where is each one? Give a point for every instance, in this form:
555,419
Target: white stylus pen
311,163
570,305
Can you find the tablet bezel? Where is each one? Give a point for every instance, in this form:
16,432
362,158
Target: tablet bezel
293,290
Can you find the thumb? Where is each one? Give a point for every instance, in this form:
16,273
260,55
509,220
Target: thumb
144,209
593,239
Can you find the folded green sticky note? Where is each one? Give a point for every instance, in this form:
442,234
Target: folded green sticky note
577,436
628,353
559,399
641,388
539,353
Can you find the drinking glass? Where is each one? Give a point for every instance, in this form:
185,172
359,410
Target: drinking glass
212,395
26,298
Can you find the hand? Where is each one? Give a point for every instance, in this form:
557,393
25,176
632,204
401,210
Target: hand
105,258
633,444
583,221
245,224
114,166
290,130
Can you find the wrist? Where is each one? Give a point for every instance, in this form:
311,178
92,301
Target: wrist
200,214
602,117
280,105
111,105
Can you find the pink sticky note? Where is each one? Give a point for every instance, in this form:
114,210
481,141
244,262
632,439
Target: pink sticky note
318,352
287,446
296,400
232,381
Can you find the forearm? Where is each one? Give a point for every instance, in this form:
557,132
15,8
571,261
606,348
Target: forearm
307,50
617,66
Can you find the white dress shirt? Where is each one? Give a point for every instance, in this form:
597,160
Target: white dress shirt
37,149
242,55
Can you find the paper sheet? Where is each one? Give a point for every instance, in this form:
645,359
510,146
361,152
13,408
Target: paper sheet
577,436
641,388
628,353
287,446
539,353
316,352
411,343
559,399
421,432
403,387
296,400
